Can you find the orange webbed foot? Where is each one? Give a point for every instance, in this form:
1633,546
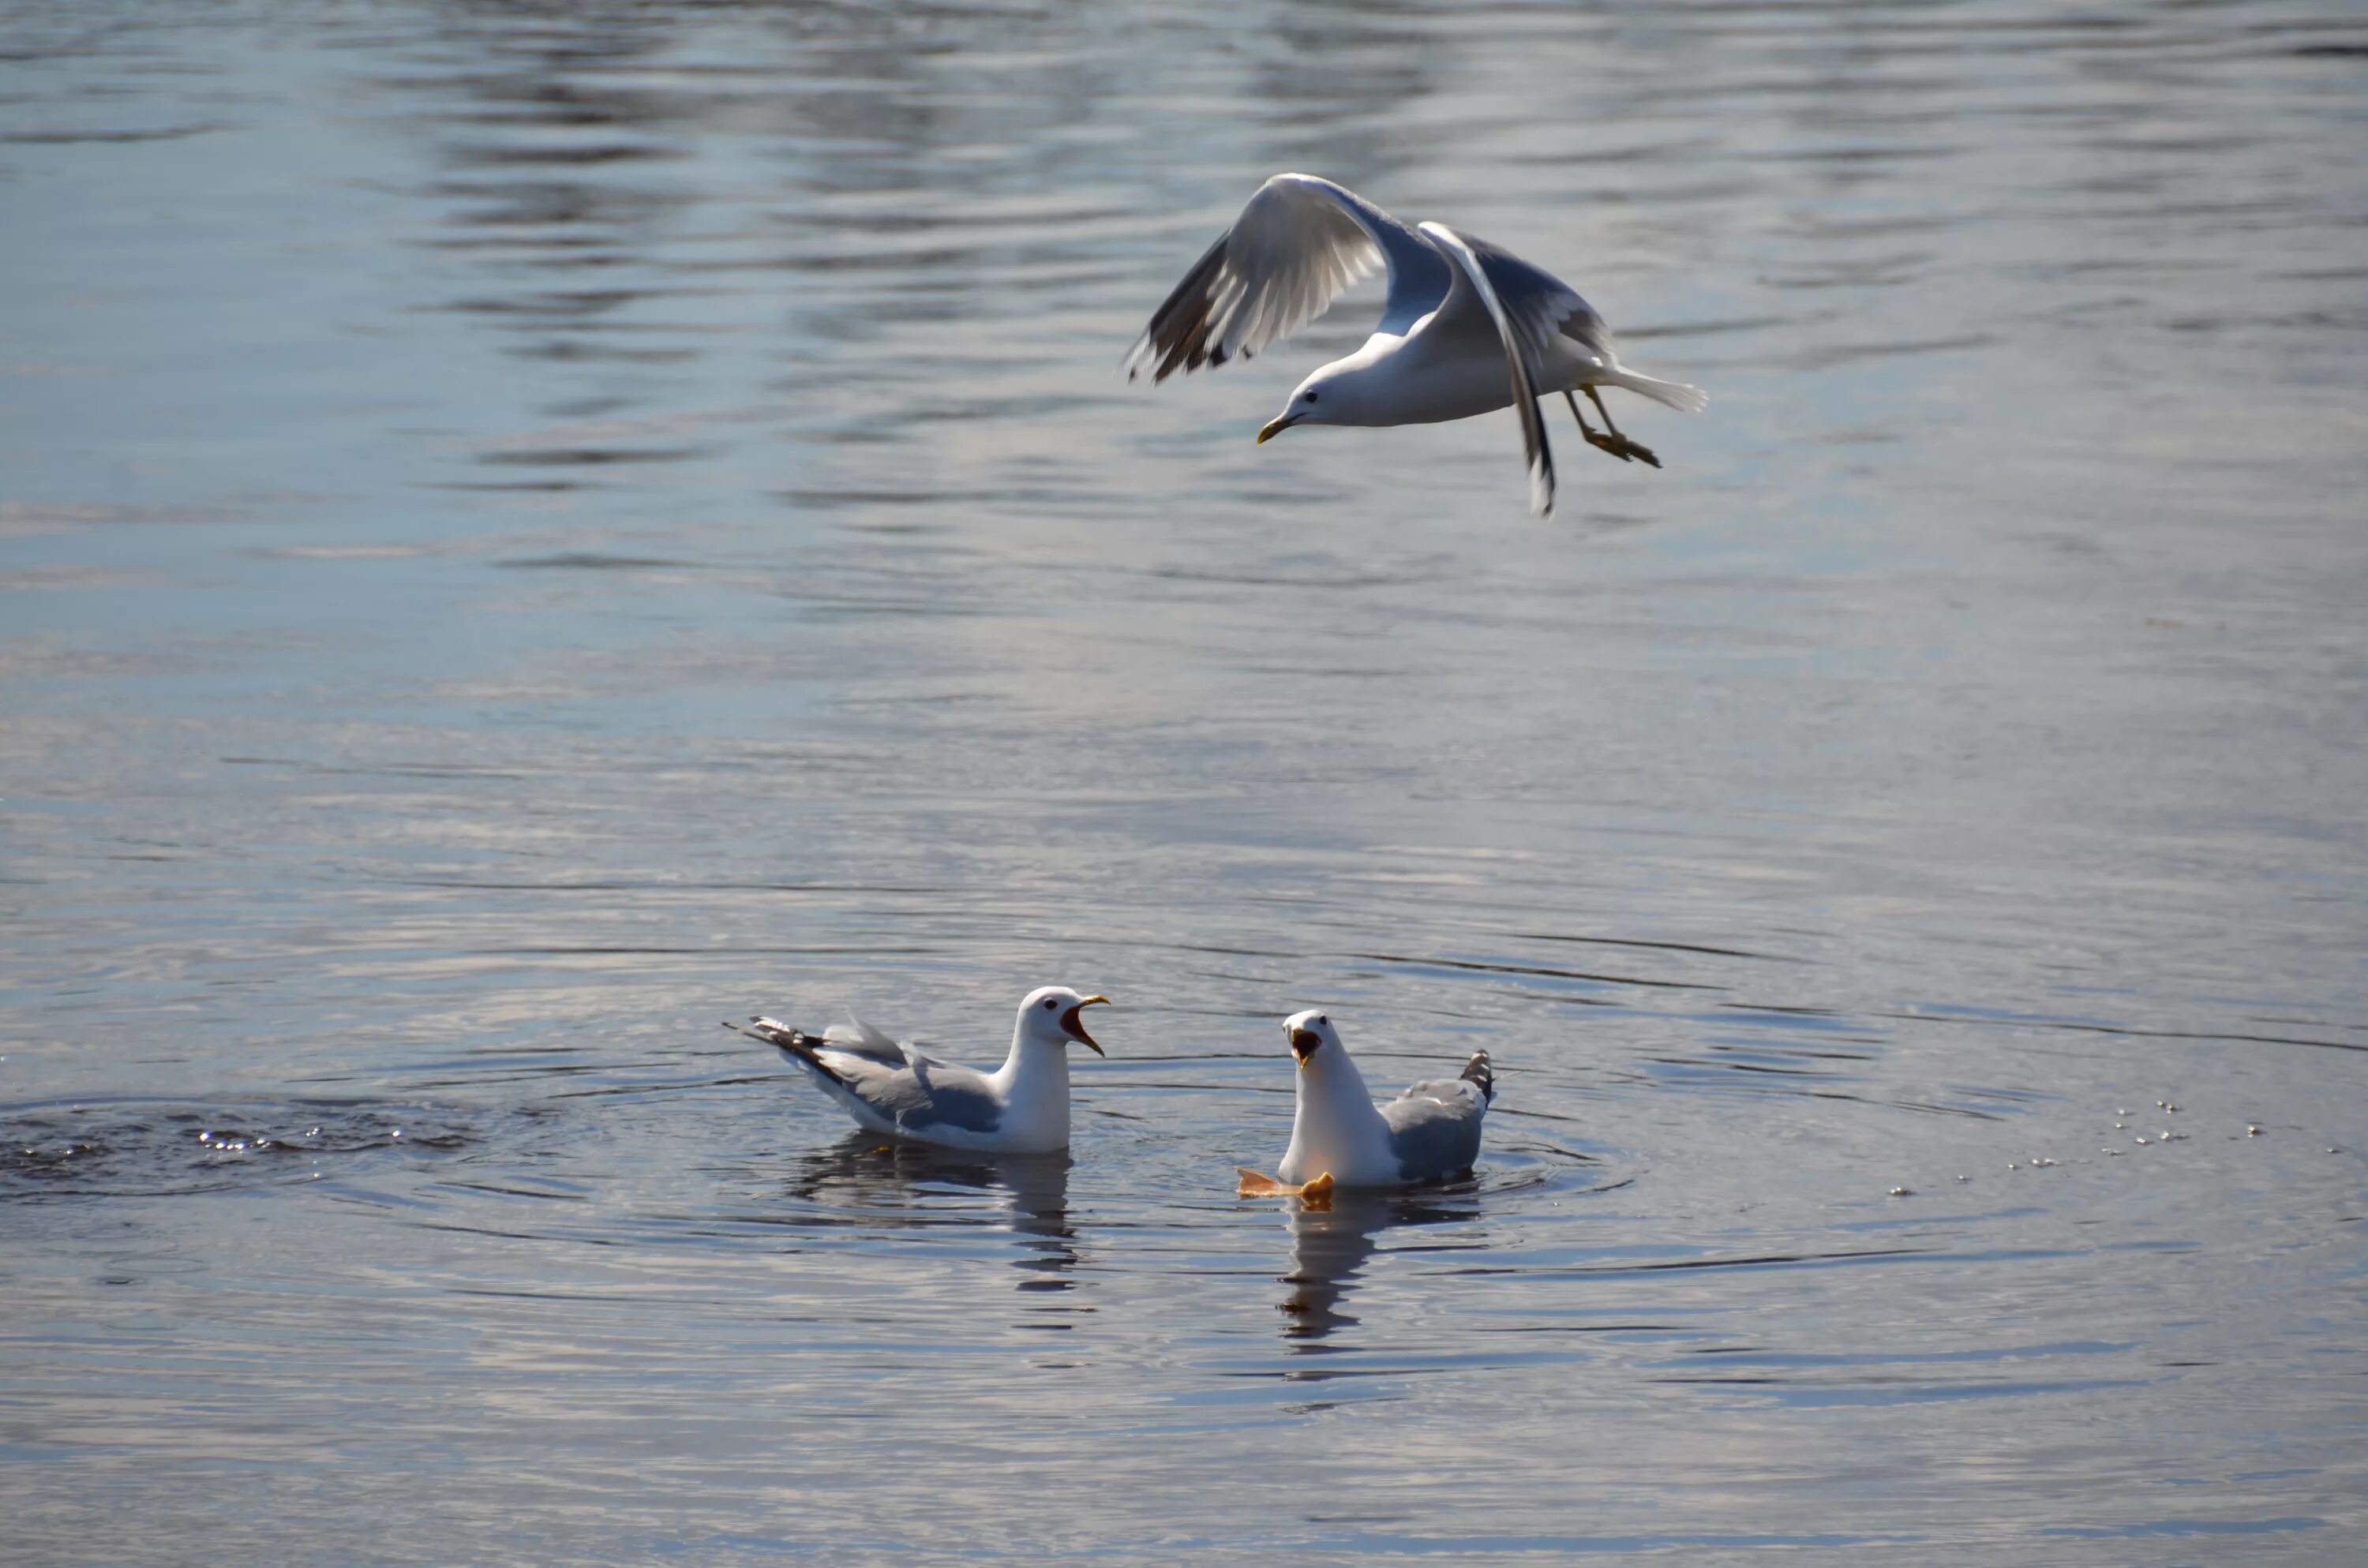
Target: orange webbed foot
1316,1193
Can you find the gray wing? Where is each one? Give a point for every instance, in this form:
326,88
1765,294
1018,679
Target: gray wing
920,1097
1543,308
909,1091
1475,289
1295,246
856,1038
1557,326
1435,1126
859,1038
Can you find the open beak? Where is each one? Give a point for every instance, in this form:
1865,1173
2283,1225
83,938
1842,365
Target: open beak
1304,1043
1076,1031
1276,426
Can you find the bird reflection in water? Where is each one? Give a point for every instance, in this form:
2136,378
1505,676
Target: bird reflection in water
1331,1237
892,1183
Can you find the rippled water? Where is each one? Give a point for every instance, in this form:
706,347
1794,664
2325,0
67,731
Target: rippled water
525,531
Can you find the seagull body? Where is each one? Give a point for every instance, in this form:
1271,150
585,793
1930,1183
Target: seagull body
893,1087
1467,328
1340,1137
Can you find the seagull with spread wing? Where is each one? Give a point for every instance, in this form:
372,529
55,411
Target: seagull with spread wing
1341,1138
1467,328
894,1086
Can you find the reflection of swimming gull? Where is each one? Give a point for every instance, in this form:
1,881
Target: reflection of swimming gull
1338,1135
1330,1245
1040,1211
892,1176
893,1087
1467,328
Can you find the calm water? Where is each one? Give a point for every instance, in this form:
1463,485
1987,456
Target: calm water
525,531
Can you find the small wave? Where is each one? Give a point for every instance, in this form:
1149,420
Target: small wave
148,1148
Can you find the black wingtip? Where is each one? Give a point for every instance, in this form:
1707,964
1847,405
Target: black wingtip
795,1044
1478,1071
1178,335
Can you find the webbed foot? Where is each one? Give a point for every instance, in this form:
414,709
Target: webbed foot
1316,1194
1636,450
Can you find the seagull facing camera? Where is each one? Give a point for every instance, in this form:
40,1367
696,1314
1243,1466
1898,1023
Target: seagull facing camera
1340,1137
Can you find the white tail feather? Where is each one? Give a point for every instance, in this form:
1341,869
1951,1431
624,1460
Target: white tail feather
1676,394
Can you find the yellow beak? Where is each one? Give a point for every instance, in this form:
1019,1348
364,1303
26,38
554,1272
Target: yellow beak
1276,426
1076,1031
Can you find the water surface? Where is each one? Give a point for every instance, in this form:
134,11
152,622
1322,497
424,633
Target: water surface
525,532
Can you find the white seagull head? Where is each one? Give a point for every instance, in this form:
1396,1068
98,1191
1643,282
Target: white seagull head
1313,1040
1049,1017
1327,397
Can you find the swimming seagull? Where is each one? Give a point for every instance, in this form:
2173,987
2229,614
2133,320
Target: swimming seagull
1467,328
1341,1138
895,1088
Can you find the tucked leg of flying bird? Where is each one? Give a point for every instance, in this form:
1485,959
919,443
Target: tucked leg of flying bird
1618,445
1595,438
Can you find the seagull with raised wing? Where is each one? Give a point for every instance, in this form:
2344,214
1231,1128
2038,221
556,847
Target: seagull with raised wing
893,1087
1467,328
1341,1138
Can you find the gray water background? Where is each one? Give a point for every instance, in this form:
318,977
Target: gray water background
527,530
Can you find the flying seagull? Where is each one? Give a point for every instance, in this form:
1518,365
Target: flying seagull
895,1088
1341,1138
1467,328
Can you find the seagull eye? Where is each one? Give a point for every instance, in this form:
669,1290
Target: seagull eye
1311,397
1324,1021
1050,1003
